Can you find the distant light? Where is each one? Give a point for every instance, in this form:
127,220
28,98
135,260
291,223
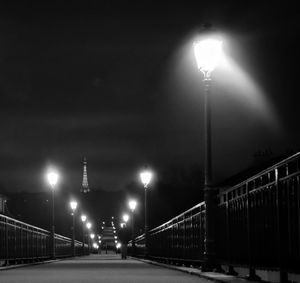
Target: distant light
89,225
118,245
125,217
102,227
112,217
92,236
83,218
122,225
52,177
116,241
103,222
132,204
95,246
208,53
73,205
99,241
115,237
146,177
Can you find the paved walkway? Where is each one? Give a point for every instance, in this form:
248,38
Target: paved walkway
96,268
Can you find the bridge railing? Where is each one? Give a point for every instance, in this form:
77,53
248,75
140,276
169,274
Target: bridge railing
181,238
20,241
257,224
260,219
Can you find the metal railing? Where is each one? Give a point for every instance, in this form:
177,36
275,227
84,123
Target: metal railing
257,224
181,238
20,241
260,219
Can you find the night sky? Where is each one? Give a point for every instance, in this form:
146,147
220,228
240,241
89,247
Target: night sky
118,84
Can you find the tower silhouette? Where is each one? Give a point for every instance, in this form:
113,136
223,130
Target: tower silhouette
85,185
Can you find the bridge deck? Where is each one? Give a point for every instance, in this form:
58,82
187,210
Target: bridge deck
96,268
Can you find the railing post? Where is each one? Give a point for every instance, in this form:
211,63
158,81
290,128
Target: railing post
15,242
252,275
230,270
283,274
27,242
6,242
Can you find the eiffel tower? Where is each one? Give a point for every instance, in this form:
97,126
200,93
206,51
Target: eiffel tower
85,185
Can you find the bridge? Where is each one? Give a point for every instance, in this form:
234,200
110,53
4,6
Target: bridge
256,233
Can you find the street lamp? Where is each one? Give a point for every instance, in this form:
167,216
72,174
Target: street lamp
132,205
89,226
146,177
73,205
125,217
83,219
208,53
52,177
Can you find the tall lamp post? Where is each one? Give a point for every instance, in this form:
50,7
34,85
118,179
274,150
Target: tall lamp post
73,205
92,236
83,219
132,205
52,177
208,53
89,226
146,177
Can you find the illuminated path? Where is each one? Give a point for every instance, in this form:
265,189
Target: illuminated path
96,268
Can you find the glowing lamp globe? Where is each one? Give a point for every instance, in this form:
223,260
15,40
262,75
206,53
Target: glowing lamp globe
125,217
146,177
52,178
73,205
83,218
132,204
208,53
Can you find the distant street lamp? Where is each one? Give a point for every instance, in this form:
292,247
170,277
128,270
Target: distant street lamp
52,177
73,205
132,205
95,246
146,177
83,219
208,53
89,225
125,217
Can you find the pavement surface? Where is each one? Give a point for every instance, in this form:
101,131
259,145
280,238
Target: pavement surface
108,268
